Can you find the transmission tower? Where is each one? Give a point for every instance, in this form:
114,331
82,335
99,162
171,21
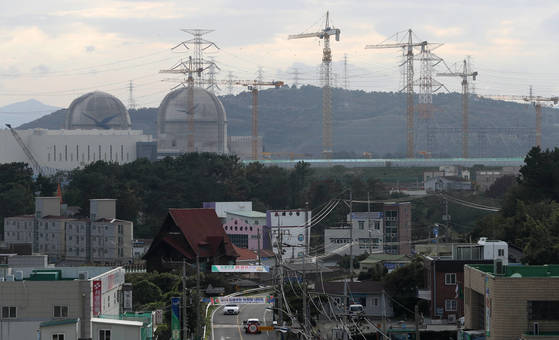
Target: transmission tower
407,47
260,76
346,79
427,86
212,83
199,45
131,101
325,73
464,74
230,82
295,73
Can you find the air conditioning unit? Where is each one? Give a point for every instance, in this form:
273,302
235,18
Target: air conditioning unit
9,278
83,275
451,318
19,275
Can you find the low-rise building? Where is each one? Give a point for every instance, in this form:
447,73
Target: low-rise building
369,294
65,298
101,238
380,262
444,276
190,235
247,229
512,302
438,184
294,227
486,178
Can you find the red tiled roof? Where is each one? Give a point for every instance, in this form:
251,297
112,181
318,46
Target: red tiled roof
245,254
203,230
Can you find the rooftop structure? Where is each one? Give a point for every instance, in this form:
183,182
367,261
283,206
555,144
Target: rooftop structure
97,110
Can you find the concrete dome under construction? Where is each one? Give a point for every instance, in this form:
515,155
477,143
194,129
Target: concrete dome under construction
204,110
97,110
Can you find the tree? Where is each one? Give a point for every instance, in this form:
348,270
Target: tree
402,285
145,292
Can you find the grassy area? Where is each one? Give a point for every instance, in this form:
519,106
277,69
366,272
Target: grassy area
211,309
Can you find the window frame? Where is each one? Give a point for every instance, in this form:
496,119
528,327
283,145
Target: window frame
58,336
9,309
61,311
104,337
450,305
448,282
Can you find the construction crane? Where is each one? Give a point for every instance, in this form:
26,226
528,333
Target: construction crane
534,100
325,76
253,86
408,52
34,164
464,74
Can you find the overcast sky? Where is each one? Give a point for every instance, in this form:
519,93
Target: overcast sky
56,50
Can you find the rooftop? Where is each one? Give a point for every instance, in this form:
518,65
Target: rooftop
250,213
375,258
548,270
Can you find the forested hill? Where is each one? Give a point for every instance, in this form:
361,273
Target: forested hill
290,120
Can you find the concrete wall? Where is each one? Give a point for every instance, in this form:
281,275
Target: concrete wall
117,331
102,208
292,225
45,206
19,329
508,300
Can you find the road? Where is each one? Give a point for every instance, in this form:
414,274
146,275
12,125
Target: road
230,327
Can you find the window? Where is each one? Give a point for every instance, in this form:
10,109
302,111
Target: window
376,301
543,310
104,334
501,252
450,278
58,337
377,225
239,240
450,305
60,311
9,312
361,225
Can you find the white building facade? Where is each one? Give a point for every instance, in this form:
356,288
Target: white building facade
366,229
294,226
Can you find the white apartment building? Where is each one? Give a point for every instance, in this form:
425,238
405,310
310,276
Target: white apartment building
58,301
366,229
102,238
294,226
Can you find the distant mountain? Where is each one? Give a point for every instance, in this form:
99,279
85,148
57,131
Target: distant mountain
290,120
19,113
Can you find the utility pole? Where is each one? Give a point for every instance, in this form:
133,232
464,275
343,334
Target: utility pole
259,254
369,223
351,236
279,241
198,316
305,251
183,298
417,322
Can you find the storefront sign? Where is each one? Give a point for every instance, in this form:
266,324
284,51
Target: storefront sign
97,285
175,318
239,269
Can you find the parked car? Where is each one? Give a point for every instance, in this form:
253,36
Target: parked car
252,326
356,310
231,309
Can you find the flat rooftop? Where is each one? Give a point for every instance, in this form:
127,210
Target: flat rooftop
547,270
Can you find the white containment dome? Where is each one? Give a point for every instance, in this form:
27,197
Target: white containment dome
207,115
97,110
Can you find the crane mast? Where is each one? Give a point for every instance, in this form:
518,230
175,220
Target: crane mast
326,71
34,164
464,74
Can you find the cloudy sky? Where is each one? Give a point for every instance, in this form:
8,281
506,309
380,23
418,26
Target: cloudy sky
58,49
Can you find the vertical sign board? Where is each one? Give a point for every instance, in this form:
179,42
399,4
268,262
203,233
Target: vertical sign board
127,297
487,308
175,319
96,297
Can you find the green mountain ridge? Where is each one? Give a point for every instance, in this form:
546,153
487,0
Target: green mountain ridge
290,121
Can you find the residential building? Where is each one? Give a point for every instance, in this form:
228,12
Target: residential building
101,238
14,260
191,235
486,178
512,302
247,229
438,184
61,300
381,262
397,227
369,294
366,229
221,208
140,246
294,226
444,276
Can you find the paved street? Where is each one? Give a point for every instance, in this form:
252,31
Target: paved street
230,327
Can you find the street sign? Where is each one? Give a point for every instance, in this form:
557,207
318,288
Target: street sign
175,318
266,328
239,269
241,300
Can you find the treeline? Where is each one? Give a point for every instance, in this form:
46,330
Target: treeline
530,215
146,190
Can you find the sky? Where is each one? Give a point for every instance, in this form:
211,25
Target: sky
56,50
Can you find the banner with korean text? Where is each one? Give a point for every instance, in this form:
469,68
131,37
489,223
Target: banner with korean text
239,269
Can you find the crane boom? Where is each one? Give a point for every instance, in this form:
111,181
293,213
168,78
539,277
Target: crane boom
398,45
26,150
